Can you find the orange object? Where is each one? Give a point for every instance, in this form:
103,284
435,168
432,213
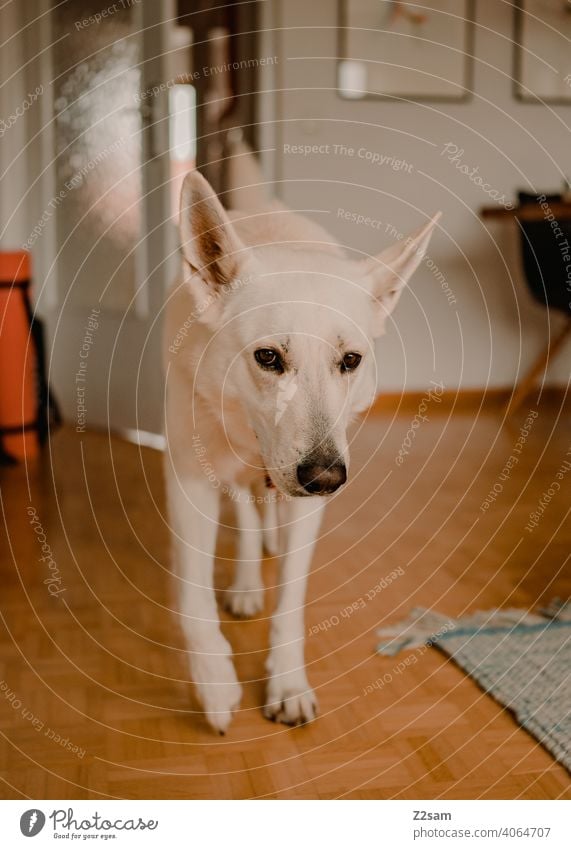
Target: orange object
18,360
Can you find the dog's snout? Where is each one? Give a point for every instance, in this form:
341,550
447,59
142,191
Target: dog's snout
322,478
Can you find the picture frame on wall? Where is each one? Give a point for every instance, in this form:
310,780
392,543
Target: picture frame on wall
420,51
542,56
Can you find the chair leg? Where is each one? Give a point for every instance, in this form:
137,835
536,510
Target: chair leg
527,383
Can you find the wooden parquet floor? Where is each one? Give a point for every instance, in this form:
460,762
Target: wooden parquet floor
94,701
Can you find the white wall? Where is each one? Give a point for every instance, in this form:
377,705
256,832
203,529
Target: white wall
493,330
13,93
26,146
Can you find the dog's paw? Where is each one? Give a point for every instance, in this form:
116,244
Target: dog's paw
244,603
218,689
290,700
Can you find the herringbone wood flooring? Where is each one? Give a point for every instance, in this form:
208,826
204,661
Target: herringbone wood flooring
101,665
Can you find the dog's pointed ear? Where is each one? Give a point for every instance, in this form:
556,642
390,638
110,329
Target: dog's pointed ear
387,274
209,243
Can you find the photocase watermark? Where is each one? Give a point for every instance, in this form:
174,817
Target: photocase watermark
434,395
196,314
454,155
408,661
36,723
90,329
549,494
438,275
373,157
350,609
108,12
95,826
21,110
206,71
32,822
512,461
54,582
69,186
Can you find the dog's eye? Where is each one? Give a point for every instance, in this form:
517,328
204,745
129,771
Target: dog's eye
350,361
269,359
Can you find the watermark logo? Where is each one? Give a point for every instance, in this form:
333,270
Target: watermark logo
434,394
95,825
32,822
54,582
454,155
287,389
21,110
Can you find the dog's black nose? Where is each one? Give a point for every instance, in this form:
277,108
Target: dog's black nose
321,478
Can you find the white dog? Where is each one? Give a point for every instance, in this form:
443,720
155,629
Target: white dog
269,346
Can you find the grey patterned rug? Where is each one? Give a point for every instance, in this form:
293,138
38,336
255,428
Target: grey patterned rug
521,659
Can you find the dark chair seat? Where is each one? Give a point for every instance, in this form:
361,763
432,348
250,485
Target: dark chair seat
545,246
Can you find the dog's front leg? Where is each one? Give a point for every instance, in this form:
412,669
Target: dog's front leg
290,699
194,509
245,596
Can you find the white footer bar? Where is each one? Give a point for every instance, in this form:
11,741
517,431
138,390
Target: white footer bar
288,824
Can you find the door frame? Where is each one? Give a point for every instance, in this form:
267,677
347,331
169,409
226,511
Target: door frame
156,253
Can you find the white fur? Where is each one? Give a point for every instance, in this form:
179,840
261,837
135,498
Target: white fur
266,278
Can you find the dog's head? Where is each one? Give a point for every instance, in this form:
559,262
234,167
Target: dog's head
293,328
